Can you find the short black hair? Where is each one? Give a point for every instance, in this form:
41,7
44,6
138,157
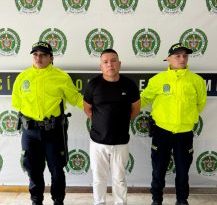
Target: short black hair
108,50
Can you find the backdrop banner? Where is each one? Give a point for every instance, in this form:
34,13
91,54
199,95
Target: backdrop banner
202,173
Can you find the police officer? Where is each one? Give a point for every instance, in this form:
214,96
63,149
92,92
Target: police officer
37,94
177,96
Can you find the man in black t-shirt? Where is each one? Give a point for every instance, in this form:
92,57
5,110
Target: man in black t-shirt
110,101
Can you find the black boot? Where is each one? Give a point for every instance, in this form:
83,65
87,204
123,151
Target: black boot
57,202
184,202
37,203
156,203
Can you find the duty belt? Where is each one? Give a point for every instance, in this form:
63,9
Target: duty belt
46,124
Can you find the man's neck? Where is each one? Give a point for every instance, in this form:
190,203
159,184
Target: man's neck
112,78
171,68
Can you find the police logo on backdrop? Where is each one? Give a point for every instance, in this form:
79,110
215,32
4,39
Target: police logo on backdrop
171,166
207,163
29,6
212,5
171,6
1,163
146,43
56,39
198,127
130,164
8,123
79,162
76,6
123,6
9,42
98,40
195,39
139,125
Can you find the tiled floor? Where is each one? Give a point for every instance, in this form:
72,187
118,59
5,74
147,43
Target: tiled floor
14,198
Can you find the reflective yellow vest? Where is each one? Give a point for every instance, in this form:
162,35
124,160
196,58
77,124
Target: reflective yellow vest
37,93
177,98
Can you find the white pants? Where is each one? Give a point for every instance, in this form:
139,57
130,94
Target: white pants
105,159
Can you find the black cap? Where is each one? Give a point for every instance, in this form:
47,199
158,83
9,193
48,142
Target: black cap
178,47
42,46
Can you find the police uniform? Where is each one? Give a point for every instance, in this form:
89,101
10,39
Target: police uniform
37,94
177,97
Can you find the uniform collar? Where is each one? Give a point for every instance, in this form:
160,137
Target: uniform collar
178,72
42,70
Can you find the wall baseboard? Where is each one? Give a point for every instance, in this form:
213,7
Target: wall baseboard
88,189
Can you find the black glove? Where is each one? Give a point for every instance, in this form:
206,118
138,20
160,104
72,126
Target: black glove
150,125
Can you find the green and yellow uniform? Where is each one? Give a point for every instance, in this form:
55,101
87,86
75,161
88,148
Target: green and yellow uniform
37,93
177,97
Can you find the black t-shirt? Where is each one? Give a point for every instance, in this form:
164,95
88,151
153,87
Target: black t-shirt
111,108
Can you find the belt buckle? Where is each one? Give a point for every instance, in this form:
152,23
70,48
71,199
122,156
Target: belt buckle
40,124
47,124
